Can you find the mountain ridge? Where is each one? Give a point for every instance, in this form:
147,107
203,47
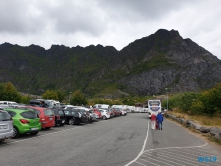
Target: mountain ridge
144,67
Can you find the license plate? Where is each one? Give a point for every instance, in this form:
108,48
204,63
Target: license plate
34,129
62,121
50,118
3,127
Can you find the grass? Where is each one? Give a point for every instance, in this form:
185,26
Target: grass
200,119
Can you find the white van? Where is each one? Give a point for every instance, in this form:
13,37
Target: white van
101,106
9,103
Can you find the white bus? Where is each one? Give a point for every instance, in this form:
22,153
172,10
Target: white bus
154,106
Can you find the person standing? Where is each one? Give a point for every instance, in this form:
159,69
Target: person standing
153,121
160,120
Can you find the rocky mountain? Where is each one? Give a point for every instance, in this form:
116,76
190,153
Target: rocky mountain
145,67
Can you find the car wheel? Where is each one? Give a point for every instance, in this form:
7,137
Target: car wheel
34,133
71,122
104,117
1,140
16,133
62,124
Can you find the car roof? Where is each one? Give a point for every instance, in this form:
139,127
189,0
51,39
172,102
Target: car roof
16,110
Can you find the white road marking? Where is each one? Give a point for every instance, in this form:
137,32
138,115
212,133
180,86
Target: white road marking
142,150
42,135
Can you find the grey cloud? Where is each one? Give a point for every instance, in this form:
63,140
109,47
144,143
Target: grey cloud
69,18
141,10
16,17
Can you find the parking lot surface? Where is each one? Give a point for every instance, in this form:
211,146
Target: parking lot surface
125,140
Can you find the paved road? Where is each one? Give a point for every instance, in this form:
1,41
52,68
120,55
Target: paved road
125,140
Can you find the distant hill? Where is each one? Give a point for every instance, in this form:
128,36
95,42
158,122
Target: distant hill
145,67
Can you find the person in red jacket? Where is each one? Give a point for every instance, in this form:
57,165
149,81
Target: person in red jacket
153,121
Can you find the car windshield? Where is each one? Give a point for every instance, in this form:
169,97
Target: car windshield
48,112
29,114
4,116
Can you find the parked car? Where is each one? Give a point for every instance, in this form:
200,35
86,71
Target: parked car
89,112
97,113
105,114
6,126
46,115
118,111
122,111
3,106
24,121
115,112
73,116
111,112
59,116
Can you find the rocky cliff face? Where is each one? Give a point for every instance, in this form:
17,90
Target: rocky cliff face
145,67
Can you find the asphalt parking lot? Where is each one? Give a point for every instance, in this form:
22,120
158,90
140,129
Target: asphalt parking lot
125,140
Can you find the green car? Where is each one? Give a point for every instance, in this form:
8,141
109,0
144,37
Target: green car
24,121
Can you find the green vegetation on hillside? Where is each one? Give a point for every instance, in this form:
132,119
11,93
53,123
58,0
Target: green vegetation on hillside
159,60
201,103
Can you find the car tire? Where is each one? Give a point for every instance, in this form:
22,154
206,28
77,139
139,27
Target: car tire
16,133
1,140
71,122
62,124
34,133
104,118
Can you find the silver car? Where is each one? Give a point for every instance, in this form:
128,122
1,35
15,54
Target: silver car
6,126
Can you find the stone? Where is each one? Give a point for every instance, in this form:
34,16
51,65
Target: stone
205,129
214,131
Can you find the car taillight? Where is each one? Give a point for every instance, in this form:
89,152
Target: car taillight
24,121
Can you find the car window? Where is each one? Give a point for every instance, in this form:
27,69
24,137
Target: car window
32,109
67,112
4,116
11,113
61,113
91,111
29,114
73,113
48,112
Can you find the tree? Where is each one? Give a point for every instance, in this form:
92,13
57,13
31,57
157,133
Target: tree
9,93
50,94
78,99
61,96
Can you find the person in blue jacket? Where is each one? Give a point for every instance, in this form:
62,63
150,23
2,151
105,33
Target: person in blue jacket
160,120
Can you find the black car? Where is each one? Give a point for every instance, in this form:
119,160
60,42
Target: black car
59,116
74,116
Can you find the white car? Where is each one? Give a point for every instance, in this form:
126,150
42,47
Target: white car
6,126
104,114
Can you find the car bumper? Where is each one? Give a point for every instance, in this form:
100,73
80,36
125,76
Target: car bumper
30,129
60,121
6,135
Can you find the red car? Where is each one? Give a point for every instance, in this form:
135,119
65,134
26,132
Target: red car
46,115
97,113
116,113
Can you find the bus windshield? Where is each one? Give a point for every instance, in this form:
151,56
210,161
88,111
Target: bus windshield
154,106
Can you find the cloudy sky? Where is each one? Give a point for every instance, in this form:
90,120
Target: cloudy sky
108,22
